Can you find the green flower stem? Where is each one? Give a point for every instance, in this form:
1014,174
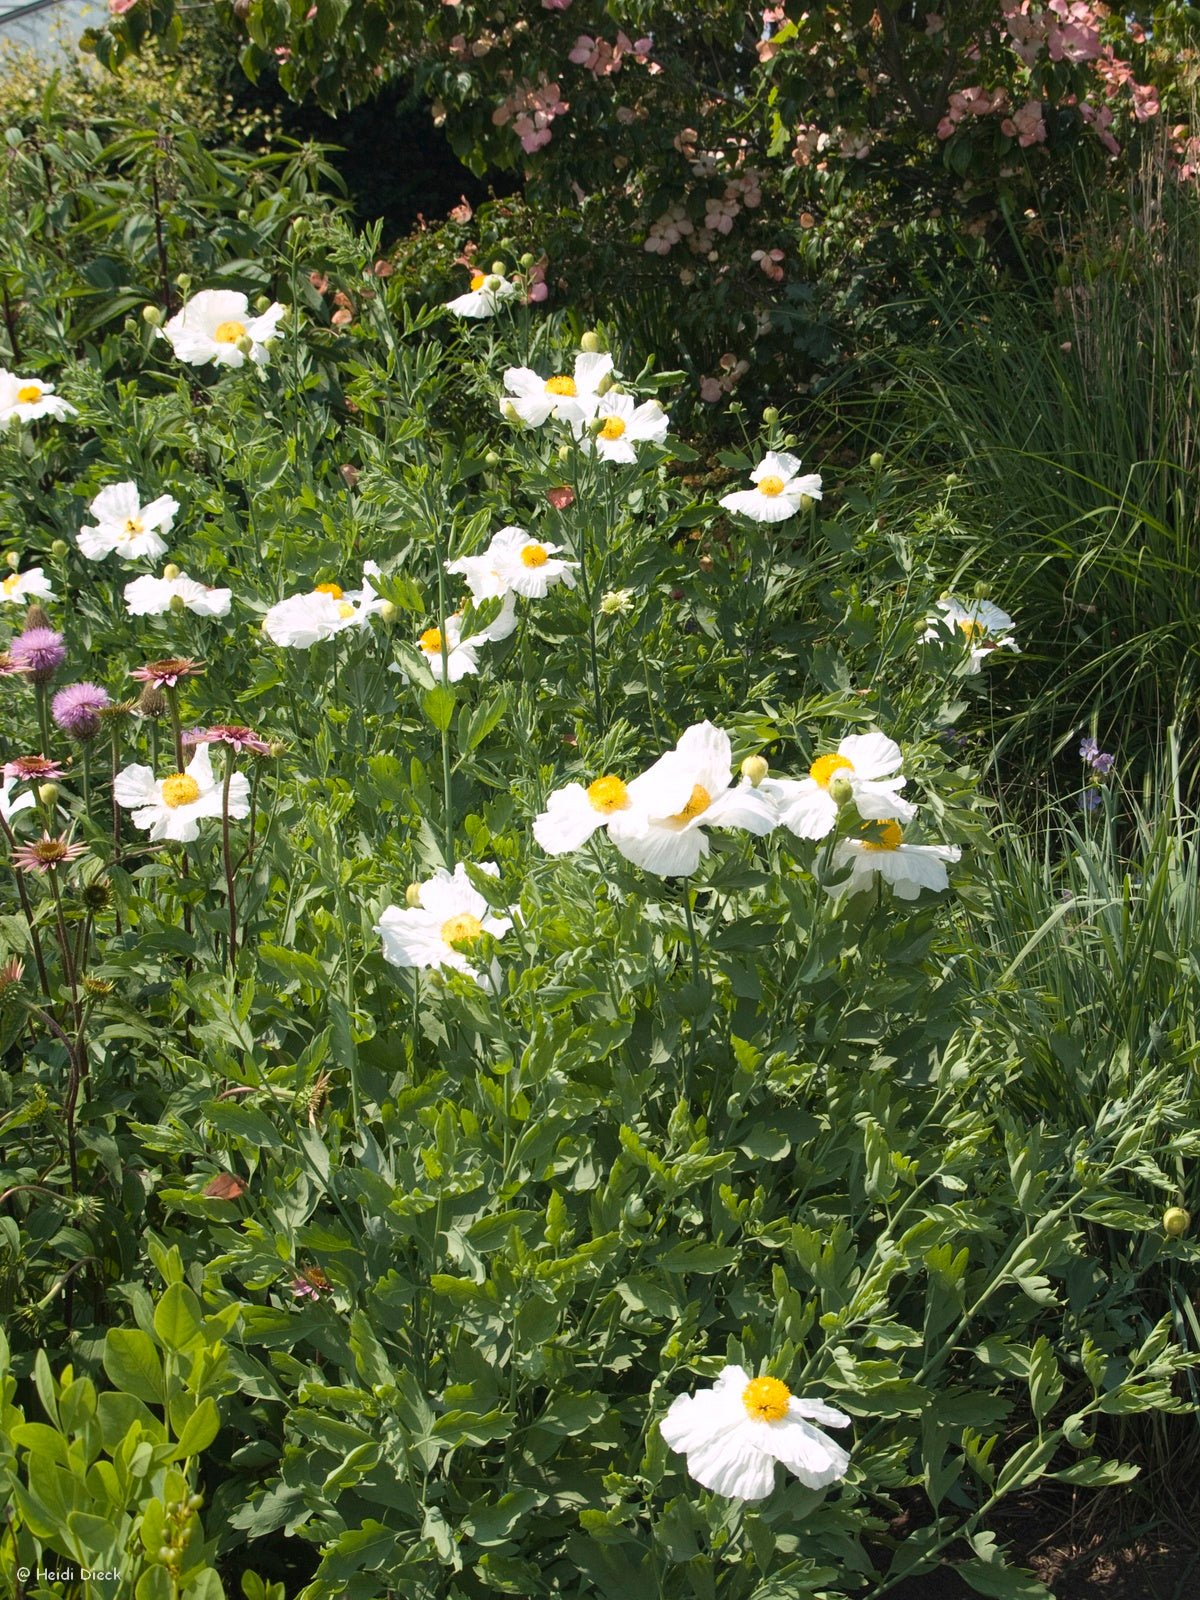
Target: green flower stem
227,859
42,696
27,912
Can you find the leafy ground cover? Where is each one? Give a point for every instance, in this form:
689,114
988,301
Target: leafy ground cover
474,977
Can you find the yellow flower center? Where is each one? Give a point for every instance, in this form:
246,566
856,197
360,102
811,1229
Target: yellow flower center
608,794
770,485
478,279
971,627
534,555
699,801
462,929
766,1399
613,428
561,385
333,590
9,585
883,836
180,790
29,393
132,526
431,640
825,768
229,332
345,609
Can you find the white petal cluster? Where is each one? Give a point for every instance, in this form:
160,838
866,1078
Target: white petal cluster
173,807
570,398
9,808
450,916
778,489
976,625
151,597
869,762
514,563
215,325
127,527
303,620
19,587
620,423
882,853
488,292
733,1434
27,399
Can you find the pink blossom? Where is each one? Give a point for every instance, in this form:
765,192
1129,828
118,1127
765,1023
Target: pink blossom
556,5
118,8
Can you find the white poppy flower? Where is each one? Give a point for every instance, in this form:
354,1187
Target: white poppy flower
449,912
10,808
779,488
864,761
172,807
151,597
979,625
450,657
909,868
215,324
567,398
123,524
685,791
488,290
623,424
19,587
733,1434
574,813
303,620
527,567
26,399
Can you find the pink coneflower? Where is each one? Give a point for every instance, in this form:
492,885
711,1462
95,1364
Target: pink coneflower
311,1284
238,738
46,853
76,709
10,974
38,653
32,769
166,674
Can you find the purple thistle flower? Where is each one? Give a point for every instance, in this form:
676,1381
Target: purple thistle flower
76,709
38,653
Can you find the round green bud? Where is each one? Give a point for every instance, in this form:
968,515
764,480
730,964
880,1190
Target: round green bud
177,604
492,459
59,549
527,260
771,416
1176,1222
276,748
47,793
982,591
389,612
412,895
183,282
875,460
608,385
12,559
262,303
952,480
245,344
755,769
841,791
152,316
591,342
564,452
171,571
498,268
807,502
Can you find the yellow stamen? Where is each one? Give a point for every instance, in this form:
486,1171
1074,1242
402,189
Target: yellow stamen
431,640
462,929
971,627
608,794
613,428
824,768
883,836
180,790
345,609
534,555
229,332
333,590
699,801
9,585
561,385
132,526
766,1399
29,393
478,279
770,486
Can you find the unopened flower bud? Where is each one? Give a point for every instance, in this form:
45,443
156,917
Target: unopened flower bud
152,316
183,282
527,260
59,549
564,452
755,769
36,617
177,604
1176,1222
982,591
412,895
262,303
276,748
492,459
807,502
47,793
875,460
771,416
952,480
592,342
841,791
151,702
97,896
245,344
171,572
12,559
129,325
509,412
389,612
607,385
